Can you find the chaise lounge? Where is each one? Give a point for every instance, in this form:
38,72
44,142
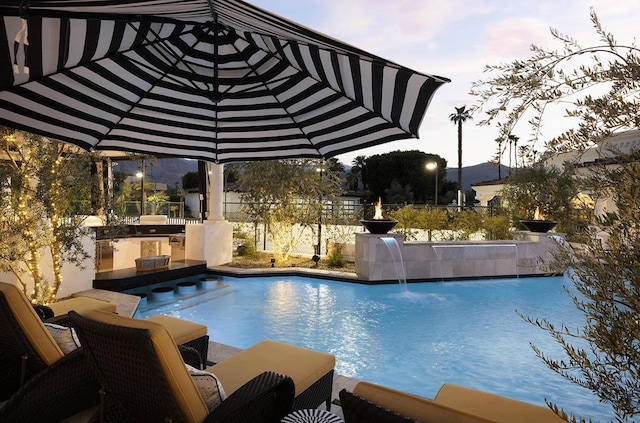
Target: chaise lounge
30,358
36,374
452,404
145,379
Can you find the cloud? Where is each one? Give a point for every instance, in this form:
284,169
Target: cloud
383,27
512,38
456,39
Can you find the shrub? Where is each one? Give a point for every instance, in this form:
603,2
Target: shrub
408,217
498,227
467,222
335,257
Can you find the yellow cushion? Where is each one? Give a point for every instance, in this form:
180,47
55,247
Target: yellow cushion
32,327
412,406
181,330
182,386
303,365
494,407
81,305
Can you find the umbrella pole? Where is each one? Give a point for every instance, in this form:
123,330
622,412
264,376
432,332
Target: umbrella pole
215,59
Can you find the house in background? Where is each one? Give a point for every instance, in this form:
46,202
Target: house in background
605,153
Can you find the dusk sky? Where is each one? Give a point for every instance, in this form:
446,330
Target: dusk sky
455,39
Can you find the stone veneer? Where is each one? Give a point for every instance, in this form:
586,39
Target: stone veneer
455,259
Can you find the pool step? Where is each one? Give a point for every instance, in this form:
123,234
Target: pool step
166,296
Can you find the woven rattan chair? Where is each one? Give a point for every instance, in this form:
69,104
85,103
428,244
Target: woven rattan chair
144,379
359,410
43,383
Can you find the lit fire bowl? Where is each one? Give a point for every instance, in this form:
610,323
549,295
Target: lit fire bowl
539,225
379,226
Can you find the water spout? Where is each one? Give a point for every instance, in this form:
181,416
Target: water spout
396,255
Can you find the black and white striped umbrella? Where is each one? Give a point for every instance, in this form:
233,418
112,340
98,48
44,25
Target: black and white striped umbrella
216,80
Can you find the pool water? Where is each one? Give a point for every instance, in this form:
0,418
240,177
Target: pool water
464,332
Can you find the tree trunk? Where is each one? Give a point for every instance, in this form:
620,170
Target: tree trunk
460,155
499,161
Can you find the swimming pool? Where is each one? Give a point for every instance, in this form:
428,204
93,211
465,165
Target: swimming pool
460,332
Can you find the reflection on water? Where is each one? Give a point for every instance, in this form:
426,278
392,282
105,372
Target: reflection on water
416,296
464,332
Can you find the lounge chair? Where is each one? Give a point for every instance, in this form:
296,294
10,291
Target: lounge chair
38,377
30,359
311,371
452,404
145,379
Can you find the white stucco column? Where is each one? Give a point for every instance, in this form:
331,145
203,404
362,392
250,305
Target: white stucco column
216,191
212,240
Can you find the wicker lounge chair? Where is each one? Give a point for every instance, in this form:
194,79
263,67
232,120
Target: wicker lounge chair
311,371
40,381
144,378
29,356
452,404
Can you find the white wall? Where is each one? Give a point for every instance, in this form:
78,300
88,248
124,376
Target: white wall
127,250
74,279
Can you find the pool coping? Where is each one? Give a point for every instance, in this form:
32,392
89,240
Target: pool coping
251,272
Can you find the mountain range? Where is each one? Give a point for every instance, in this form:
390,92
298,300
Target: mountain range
482,172
170,171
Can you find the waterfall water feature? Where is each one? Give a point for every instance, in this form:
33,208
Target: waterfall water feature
396,255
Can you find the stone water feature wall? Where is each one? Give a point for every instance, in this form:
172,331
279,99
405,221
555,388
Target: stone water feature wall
455,259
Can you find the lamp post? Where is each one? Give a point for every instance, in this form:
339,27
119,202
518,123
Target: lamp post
141,176
320,170
434,166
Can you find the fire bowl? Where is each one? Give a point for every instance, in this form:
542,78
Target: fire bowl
379,226
538,225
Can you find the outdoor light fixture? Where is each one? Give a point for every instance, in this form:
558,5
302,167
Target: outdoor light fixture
434,166
140,175
320,171
273,262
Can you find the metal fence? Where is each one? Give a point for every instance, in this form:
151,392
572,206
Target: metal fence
171,209
339,222
345,223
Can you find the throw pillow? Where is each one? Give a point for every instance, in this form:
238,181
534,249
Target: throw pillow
65,337
209,387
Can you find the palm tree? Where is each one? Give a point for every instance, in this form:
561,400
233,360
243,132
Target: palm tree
523,153
513,140
334,166
360,162
353,179
459,117
515,149
499,141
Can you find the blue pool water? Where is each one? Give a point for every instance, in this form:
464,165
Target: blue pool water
460,332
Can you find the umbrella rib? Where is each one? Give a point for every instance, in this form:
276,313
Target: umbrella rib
143,65
133,49
297,124
253,71
280,55
167,53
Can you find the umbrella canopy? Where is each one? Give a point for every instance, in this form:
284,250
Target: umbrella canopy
216,80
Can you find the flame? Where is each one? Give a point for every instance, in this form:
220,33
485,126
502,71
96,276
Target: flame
378,206
538,214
